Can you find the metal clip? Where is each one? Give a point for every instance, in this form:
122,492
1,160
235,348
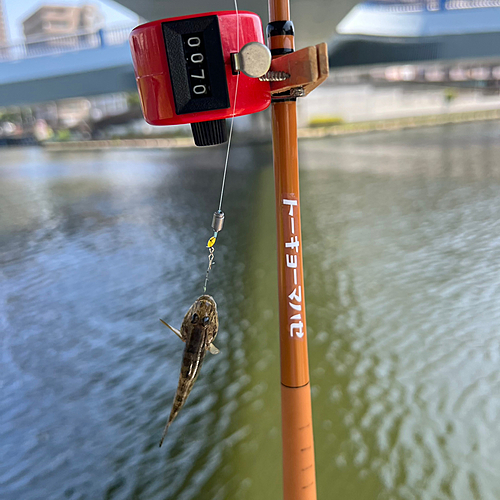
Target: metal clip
307,68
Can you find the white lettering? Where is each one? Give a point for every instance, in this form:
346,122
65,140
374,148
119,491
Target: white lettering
292,203
297,326
293,243
296,296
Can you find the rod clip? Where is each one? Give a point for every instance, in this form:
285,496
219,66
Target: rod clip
307,69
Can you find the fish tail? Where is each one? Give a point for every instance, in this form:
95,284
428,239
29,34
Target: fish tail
165,432
181,395
194,352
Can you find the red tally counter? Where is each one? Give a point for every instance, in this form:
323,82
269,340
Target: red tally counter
184,73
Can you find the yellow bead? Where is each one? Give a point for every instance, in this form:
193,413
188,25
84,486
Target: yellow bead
211,242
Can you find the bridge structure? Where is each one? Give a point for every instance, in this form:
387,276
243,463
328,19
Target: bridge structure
314,20
89,64
383,41
451,42
81,65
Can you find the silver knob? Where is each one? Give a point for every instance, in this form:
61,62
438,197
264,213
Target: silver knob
253,60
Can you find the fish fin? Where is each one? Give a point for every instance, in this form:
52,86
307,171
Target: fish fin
213,349
177,332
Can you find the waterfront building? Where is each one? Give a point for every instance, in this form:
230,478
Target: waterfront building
3,28
60,20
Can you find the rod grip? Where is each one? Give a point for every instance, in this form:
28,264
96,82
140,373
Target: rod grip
299,478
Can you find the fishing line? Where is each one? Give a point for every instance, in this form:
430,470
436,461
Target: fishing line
234,107
213,239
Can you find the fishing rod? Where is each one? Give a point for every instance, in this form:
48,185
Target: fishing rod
203,69
299,474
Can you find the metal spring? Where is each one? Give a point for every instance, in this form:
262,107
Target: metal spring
274,76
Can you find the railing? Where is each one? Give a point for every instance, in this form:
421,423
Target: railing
431,5
471,4
81,40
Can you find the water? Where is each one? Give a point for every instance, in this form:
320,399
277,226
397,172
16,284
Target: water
402,256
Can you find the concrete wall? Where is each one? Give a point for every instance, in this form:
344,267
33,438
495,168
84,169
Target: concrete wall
366,102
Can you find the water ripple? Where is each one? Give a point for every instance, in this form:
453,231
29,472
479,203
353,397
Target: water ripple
402,263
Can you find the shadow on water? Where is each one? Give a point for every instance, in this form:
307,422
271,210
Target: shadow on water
401,268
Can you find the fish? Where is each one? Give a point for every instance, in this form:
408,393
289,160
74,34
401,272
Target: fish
198,330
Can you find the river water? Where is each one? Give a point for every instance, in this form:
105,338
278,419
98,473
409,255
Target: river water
402,271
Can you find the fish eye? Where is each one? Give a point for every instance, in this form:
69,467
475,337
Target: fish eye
194,318
206,320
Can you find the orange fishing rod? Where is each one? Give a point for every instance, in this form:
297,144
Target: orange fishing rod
299,474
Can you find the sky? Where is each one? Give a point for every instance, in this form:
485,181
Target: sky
16,11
